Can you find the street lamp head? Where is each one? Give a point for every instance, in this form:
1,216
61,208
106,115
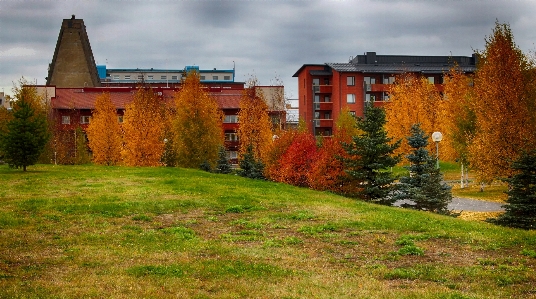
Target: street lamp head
437,136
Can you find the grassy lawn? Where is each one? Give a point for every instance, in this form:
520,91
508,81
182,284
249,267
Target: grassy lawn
119,232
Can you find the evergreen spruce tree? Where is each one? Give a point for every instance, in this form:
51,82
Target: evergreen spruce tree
371,156
25,137
520,210
423,186
249,166
223,165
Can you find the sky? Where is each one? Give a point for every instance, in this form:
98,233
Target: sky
266,39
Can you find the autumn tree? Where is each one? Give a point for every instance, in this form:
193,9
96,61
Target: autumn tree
423,185
104,132
370,155
296,161
5,117
412,99
26,135
504,106
198,124
255,126
143,139
282,141
327,169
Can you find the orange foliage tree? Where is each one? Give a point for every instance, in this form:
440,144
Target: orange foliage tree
255,125
412,100
278,147
143,126
457,116
327,169
503,105
296,161
198,125
104,132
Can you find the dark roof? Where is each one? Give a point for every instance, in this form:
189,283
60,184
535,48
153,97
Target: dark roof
396,64
396,68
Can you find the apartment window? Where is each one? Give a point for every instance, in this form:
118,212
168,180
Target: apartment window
367,97
391,80
226,77
174,78
202,78
120,119
116,77
350,98
316,81
232,155
431,80
163,77
231,119
140,77
231,137
327,115
127,77
215,78
326,81
327,99
317,115
65,120
317,99
352,113
85,119
350,80
150,77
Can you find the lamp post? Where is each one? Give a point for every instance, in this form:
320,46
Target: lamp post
437,137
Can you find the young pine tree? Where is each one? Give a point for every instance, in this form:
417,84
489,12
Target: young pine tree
423,186
223,165
370,157
520,210
249,166
25,137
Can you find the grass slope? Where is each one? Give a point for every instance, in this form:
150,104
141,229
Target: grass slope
119,232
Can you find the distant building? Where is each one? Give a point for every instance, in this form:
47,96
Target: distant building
325,89
4,100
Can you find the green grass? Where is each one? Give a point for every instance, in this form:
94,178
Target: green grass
121,232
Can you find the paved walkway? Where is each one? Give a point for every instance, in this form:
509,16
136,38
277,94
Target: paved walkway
469,205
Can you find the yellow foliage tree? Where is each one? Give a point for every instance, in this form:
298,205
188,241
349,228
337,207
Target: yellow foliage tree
255,125
104,132
412,100
143,127
504,106
457,116
198,124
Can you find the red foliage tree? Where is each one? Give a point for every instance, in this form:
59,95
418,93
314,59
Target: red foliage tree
296,162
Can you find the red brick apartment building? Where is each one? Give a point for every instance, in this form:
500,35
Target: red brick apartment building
325,89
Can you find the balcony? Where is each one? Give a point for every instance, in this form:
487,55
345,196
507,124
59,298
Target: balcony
323,123
323,106
380,87
322,88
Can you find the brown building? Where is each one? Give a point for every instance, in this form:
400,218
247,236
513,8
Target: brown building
325,89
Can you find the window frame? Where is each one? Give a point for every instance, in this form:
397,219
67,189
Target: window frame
350,98
65,119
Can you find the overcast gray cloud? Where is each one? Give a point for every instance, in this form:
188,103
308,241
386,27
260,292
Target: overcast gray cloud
262,38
